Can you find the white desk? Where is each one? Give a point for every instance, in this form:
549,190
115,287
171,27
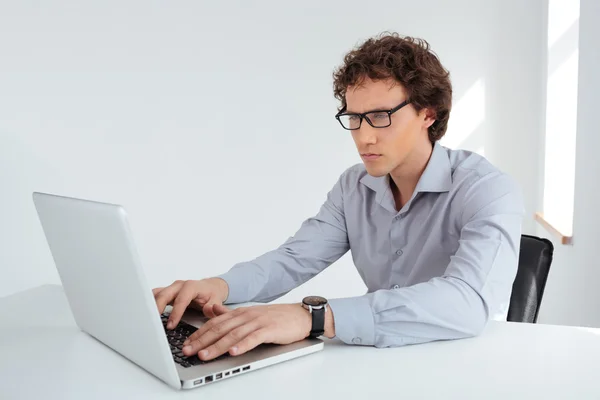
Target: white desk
43,355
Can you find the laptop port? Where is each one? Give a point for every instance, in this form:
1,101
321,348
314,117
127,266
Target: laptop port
246,368
209,379
227,373
235,371
197,382
219,375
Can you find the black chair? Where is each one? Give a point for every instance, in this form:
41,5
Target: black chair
528,288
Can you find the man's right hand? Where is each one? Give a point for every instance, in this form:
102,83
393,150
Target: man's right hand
201,295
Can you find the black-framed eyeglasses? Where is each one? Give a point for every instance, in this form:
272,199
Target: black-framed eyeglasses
375,118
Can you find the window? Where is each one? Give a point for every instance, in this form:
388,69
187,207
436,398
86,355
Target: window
561,117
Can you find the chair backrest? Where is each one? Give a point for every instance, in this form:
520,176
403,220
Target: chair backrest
528,288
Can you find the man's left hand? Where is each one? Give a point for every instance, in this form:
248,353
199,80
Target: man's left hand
240,330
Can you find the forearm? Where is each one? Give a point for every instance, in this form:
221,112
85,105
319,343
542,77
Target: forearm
443,308
314,247
320,241
270,276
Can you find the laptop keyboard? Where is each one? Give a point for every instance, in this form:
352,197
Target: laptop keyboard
176,337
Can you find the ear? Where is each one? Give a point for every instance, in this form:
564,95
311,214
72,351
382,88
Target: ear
428,117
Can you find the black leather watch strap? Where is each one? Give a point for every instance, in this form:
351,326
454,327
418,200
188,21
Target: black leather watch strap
318,322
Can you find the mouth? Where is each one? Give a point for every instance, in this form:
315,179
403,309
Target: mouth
370,156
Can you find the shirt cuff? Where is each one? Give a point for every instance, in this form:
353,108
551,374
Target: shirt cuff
238,286
354,322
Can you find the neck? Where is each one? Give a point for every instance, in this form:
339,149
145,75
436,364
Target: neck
406,176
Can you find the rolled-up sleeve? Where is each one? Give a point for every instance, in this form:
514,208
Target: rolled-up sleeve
476,284
320,241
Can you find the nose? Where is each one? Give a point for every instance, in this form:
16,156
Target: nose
365,135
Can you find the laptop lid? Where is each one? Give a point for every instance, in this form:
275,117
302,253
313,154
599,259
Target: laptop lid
101,273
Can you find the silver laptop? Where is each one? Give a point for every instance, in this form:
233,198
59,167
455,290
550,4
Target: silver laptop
104,282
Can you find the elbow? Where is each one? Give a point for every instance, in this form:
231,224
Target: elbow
475,327
475,312
476,321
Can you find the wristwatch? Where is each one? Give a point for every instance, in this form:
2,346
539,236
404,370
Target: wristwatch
317,307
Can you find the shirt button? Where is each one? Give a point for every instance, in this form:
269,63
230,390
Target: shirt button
399,252
357,340
396,287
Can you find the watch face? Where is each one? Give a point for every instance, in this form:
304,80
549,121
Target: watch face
314,301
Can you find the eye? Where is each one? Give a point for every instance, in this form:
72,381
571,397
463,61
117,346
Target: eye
378,116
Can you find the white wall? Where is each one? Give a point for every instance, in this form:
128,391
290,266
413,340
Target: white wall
572,296
212,122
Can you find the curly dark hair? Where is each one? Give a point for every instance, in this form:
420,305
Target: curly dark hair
410,62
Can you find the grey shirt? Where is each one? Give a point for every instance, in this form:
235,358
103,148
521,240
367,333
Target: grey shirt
439,268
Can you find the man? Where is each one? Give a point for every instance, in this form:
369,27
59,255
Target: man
434,232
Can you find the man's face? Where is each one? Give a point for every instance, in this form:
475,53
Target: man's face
385,150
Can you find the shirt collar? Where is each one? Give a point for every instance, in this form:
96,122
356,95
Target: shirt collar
436,178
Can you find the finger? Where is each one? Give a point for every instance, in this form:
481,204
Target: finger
198,304
207,327
207,310
215,333
156,291
167,295
220,309
180,304
260,336
212,310
230,341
